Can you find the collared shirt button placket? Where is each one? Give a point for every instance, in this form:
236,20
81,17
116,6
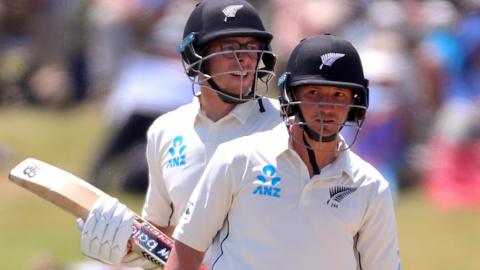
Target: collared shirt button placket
306,190
213,138
305,196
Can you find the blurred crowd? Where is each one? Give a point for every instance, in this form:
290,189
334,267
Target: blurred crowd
422,58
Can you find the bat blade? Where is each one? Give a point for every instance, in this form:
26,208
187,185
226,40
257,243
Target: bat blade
77,197
58,186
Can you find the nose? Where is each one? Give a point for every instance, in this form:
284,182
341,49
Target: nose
326,107
245,56
245,60
324,100
242,56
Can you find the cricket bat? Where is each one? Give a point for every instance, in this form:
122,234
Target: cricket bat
77,197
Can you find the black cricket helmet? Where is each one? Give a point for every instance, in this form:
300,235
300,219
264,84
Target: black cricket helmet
324,60
216,19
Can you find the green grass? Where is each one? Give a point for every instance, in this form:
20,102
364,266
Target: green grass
33,230
435,238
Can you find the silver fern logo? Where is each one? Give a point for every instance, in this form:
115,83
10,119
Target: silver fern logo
231,11
329,58
338,193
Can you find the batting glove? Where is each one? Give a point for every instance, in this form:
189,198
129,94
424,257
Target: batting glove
106,231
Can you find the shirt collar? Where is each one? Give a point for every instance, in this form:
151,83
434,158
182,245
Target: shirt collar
280,139
244,110
241,112
341,165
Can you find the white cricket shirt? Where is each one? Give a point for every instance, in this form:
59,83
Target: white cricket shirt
179,145
257,203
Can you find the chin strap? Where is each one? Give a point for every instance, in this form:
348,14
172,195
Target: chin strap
260,105
311,156
227,99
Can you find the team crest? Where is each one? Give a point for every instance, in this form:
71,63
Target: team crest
338,193
231,11
329,58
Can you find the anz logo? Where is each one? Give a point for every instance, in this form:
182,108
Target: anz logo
267,183
177,153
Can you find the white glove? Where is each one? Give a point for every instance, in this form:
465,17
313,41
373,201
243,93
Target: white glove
106,231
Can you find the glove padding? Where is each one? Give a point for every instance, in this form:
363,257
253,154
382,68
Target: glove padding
106,231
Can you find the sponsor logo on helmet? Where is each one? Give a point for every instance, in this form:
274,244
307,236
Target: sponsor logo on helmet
282,79
189,39
231,11
267,183
329,58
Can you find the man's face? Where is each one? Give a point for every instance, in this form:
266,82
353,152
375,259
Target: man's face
325,108
232,66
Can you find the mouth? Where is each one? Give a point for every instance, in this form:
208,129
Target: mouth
325,121
325,126
242,74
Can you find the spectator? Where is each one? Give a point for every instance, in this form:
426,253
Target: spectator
455,137
151,82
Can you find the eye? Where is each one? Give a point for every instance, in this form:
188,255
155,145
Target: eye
229,46
342,96
254,45
314,92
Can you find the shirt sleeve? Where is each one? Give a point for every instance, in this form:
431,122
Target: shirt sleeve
158,207
377,240
208,205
